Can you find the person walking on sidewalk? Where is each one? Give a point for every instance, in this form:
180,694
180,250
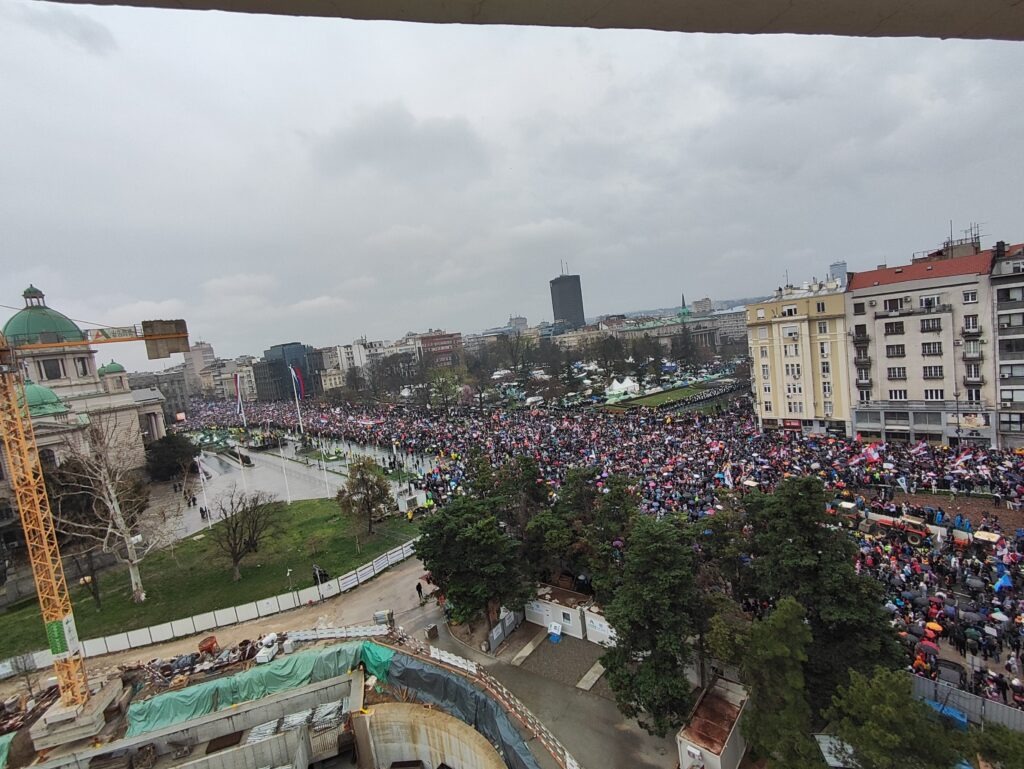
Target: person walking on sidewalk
419,591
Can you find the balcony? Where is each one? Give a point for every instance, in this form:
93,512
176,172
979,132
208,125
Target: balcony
863,382
861,338
973,356
972,333
1010,305
972,381
862,360
1006,355
934,310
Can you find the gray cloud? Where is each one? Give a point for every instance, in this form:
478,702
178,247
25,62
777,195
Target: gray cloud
391,142
83,31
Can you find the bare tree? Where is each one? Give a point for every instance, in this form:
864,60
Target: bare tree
245,518
102,499
366,491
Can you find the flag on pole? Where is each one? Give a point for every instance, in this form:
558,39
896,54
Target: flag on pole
297,382
239,406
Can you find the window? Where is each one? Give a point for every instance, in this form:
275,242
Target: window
931,300
860,331
47,458
934,395
762,332
826,389
793,370
927,418
82,367
1011,423
973,346
895,351
875,417
971,297
827,406
767,388
795,407
1015,294
970,322
764,371
894,329
973,395
820,307
823,348
791,331
51,368
1015,369
764,353
1017,266
863,375
858,308
931,324
893,305
789,311
897,417
932,372
767,407
897,395
972,370
760,314
822,326
897,372
794,388
826,368
931,348
1011,320
791,350
864,396
566,618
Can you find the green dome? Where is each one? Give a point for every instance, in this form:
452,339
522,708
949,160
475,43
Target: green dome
110,368
42,401
38,323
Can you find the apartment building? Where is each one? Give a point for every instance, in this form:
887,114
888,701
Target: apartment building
921,348
799,376
1008,321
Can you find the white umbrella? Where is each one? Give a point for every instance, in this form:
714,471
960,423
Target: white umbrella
998,616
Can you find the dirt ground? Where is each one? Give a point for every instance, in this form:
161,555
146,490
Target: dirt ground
971,507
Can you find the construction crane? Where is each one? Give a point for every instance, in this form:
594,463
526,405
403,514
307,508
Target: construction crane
162,338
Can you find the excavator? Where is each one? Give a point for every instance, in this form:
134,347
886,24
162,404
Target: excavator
162,338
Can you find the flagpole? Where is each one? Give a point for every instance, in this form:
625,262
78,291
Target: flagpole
323,456
295,392
206,502
284,469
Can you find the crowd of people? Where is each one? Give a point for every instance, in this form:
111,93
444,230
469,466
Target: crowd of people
949,596
682,462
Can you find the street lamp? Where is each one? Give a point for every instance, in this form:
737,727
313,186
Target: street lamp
956,390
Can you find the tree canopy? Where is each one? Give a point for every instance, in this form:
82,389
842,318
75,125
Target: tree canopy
652,616
170,456
475,564
366,492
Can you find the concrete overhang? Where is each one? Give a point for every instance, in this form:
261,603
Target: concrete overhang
969,19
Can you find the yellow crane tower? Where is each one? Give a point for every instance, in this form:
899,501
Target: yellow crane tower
162,337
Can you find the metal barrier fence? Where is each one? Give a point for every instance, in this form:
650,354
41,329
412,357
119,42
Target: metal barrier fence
212,620
503,629
979,710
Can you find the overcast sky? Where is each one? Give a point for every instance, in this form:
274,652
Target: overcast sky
275,179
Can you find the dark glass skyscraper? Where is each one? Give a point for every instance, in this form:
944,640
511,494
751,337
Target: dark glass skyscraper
567,300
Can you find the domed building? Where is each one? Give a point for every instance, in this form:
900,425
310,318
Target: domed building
66,391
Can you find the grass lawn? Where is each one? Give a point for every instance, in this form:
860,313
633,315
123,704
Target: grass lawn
659,399
196,578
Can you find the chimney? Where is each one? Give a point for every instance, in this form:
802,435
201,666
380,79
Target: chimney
1000,252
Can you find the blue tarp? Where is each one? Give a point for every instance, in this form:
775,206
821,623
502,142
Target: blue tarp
956,717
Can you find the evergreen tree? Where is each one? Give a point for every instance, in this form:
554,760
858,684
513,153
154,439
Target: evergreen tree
778,721
651,615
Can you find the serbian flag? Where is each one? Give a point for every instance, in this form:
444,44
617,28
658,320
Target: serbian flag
239,407
297,384
919,449
963,457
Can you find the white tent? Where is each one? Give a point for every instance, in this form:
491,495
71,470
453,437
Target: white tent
629,386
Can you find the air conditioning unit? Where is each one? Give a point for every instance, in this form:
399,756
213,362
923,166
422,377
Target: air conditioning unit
1004,325
872,303
1004,376
1005,404
908,299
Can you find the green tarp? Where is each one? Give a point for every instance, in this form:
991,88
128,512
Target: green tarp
291,672
5,748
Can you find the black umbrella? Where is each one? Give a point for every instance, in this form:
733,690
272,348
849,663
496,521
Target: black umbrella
970,617
916,630
920,602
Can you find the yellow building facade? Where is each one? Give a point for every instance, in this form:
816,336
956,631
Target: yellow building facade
799,377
